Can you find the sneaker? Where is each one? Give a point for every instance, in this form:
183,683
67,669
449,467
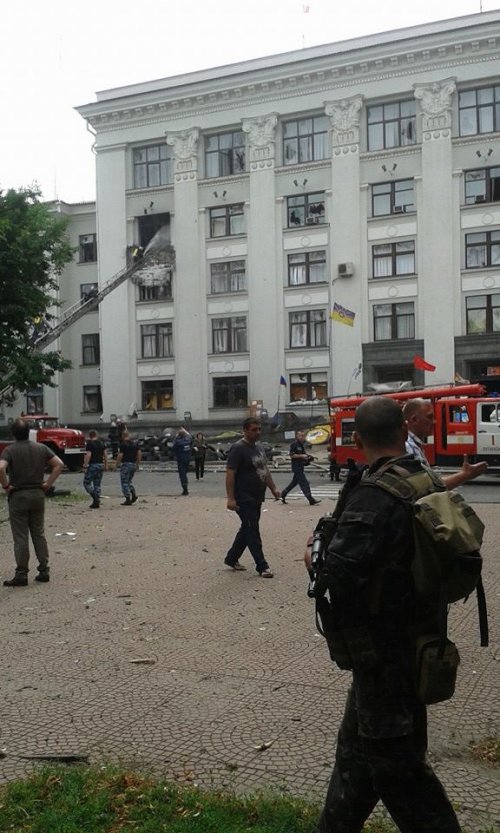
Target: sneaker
239,568
17,581
267,573
42,577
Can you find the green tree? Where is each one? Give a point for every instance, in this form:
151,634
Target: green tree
33,251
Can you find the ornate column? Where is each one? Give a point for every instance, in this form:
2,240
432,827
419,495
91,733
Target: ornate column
345,238
188,235
438,261
265,290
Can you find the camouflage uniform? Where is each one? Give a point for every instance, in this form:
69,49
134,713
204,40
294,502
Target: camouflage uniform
382,742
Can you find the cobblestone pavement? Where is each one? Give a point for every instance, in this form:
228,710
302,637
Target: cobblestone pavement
145,649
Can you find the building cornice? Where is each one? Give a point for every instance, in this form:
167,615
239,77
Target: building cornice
318,70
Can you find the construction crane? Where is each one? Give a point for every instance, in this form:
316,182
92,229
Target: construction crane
148,266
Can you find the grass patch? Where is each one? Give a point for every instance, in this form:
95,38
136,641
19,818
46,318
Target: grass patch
107,800
73,497
487,751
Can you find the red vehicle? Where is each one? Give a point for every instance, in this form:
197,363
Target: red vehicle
467,421
67,443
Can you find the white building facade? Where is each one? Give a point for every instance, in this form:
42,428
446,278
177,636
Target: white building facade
359,179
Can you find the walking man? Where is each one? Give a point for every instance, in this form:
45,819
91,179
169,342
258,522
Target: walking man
95,463
129,457
382,742
25,462
300,458
419,417
247,477
182,452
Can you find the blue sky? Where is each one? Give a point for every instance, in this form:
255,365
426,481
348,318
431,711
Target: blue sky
54,55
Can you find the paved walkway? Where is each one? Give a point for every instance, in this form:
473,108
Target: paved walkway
146,650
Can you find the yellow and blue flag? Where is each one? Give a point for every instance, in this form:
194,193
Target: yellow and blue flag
343,315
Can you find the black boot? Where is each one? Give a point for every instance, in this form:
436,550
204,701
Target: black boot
95,501
133,496
127,501
185,490
17,581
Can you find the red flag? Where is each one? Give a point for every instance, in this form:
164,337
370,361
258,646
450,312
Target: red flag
420,364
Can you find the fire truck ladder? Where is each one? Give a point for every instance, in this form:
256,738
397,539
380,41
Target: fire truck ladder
76,311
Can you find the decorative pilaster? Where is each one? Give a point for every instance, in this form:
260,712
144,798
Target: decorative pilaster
344,118
261,140
185,145
436,102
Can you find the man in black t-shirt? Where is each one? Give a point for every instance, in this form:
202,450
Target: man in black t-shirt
95,463
299,458
247,477
129,457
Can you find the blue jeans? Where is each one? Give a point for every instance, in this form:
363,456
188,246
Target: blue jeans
93,478
248,535
127,471
299,479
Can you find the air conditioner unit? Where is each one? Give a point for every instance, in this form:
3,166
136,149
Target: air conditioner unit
345,270
399,209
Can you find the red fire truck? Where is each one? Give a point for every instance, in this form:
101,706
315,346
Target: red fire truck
67,443
467,421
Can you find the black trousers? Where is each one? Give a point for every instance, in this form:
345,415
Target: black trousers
393,770
299,479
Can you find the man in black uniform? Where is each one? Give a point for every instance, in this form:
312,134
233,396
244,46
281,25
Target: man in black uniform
382,742
300,458
95,463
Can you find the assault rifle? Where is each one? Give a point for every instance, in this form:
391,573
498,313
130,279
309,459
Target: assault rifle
325,530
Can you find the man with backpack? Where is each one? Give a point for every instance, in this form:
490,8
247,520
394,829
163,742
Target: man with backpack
372,623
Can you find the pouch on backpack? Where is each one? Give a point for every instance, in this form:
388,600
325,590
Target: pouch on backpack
437,666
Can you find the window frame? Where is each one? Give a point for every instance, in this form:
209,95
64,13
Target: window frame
489,313
92,391
310,325
226,213
306,262
306,381
391,194
225,155
232,383
164,162
395,319
308,208
158,387
394,258
230,270
233,333
490,185
154,290
318,138
479,107
35,396
489,244
92,349
87,250
397,122
157,340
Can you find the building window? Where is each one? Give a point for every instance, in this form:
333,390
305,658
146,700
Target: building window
395,373
483,314
393,197
88,290
392,125
158,395
156,341
306,210
92,401
308,387
227,220
229,335
482,185
156,292
153,165
391,321
34,400
308,328
482,249
91,353
393,259
479,111
224,154
304,140
149,224
309,267
88,248
228,277
231,392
